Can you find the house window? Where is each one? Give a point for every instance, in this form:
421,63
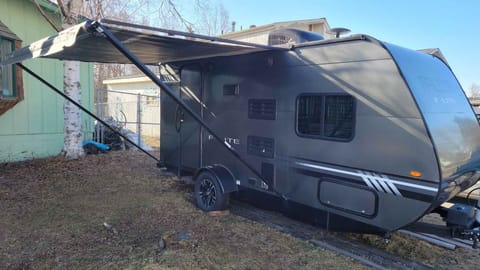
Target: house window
7,74
152,101
11,82
325,116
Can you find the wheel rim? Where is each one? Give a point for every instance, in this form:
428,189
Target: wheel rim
208,193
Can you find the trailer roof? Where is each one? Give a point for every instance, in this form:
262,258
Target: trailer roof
151,45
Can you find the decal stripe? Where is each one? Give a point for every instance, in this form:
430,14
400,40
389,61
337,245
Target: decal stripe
385,186
364,177
402,192
369,184
366,180
417,196
394,189
390,185
376,184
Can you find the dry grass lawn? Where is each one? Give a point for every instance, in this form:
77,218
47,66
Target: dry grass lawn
53,215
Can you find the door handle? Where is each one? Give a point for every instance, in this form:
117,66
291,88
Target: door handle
179,118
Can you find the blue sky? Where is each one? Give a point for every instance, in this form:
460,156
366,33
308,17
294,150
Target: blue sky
451,25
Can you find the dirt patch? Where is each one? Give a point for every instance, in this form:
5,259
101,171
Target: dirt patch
152,141
112,210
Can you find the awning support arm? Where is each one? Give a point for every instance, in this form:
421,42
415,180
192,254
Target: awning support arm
98,27
29,71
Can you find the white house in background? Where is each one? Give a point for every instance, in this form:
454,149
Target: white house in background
122,99
259,34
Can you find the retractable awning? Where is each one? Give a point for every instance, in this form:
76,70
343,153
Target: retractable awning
150,45
118,42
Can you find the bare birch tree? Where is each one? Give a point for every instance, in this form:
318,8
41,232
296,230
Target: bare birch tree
210,18
72,147
71,10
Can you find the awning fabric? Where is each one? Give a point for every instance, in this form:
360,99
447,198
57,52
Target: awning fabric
151,45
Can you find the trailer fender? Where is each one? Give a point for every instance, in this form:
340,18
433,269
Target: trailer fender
223,175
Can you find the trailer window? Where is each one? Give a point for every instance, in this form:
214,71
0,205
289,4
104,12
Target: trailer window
325,116
309,115
338,117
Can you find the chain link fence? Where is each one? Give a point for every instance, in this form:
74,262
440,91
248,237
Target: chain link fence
135,114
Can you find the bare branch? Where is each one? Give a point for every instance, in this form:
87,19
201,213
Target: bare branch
139,7
211,17
185,22
48,19
62,7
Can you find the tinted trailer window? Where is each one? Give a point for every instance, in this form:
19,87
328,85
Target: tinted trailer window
325,116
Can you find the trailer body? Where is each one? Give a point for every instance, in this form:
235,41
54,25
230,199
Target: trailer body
359,134
353,133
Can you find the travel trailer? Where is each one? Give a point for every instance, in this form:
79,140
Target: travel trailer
352,133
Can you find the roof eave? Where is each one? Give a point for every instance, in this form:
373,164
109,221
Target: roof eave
50,6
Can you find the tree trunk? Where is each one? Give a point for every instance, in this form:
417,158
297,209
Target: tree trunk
72,147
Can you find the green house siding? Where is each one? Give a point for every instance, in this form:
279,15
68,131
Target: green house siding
34,127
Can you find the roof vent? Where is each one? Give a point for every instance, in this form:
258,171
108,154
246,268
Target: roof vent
291,36
339,31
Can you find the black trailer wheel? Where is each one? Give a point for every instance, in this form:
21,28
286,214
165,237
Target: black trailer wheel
208,194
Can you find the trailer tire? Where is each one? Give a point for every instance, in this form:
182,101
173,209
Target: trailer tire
208,193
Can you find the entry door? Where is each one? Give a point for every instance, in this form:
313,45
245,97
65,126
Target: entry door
191,94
